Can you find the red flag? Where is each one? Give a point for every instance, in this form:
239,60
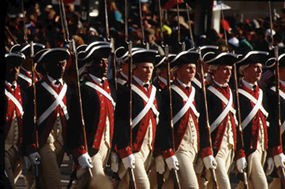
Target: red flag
171,3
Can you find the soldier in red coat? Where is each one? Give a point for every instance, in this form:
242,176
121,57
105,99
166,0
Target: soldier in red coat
137,155
185,108
13,117
98,103
222,118
45,142
253,116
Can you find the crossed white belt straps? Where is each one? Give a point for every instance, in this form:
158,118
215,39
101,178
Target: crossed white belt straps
56,102
26,78
189,103
282,94
100,90
257,106
226,110
149,104
15,101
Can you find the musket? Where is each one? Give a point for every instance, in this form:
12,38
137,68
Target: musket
106,20
142,26
240,134
173,171
14,39
111,40
141,23
213,172
223,18
24,17
132,184
160,21
280,170
179,27
190,27
35,118
72,49
63,21
158,175
131,171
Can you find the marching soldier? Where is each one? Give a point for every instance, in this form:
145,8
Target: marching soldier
253,116
145,105
44,143
13,117
98,103
222,118
186,105
275,153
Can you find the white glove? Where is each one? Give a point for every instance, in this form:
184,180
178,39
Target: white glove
270,166
114,162
159,164
85,161
241,164
279,160
210,162
172,163
26,164
35,158
129,161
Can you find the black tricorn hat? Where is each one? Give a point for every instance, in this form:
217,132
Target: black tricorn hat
186,57
39,67
15,48
160,61
253,57
14,59
207,49
26,48
81,48
224,58
270,63
53,55
92,51
143,56
120,54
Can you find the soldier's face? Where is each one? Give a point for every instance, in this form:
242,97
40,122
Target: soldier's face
99,67
186,72
223,74
253,73
12,73
144,71
56,70
103,66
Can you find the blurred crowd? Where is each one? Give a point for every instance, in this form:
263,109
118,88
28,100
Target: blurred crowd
43,25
